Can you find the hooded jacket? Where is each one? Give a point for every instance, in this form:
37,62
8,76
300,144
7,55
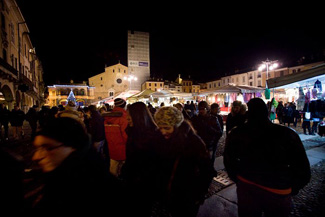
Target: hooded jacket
115,123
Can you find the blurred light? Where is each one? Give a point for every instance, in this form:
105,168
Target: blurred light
261,67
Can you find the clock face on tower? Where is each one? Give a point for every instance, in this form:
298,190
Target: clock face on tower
119,81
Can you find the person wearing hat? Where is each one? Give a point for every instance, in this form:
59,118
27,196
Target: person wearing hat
71,111
184,171
115,123
267,162
75,179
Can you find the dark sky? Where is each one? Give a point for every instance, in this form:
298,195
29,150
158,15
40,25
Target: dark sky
75,40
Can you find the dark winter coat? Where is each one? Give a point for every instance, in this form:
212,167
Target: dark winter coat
96,127
234,120
139,154
17,118
184,170
267,154
80,186
139,169
208,128
4,116
32,117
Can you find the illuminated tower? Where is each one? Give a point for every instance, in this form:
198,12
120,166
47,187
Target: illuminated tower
138,57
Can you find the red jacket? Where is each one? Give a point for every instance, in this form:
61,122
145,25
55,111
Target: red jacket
115,124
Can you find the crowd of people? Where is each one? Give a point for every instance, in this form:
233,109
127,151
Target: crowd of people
134,159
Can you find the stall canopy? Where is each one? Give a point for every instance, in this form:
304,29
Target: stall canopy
303,78
141,95
162,93
236,89
110,100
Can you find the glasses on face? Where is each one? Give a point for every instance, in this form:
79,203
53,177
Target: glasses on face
202,108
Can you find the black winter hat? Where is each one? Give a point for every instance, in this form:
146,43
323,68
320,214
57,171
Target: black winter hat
66,130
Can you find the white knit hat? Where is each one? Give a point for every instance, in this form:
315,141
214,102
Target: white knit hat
118,102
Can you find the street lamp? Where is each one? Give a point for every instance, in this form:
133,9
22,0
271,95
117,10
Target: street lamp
130,78
269,65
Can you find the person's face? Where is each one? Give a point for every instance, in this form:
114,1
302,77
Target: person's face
215,110
50,153
129,118
203,110
236,109
166,130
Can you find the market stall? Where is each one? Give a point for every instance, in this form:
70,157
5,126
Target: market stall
225,95
110,100
162,96
141,96
299,87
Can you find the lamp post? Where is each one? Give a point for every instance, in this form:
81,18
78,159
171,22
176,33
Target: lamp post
130,78
269,65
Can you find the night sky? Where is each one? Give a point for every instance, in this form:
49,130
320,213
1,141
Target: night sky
76,40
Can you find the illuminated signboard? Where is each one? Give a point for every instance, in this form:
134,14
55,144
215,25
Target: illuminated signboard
144,64
138,63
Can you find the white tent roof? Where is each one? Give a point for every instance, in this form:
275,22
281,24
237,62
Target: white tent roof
303,78
162,93
234,89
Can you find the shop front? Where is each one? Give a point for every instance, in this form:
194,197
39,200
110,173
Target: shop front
303,87
225,95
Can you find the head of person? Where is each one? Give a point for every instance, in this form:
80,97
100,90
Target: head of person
168,119
92,109
119,102
102,109
257,110
215,108
243,109
71,106
203,108
57,140
236,105
179,106
139,116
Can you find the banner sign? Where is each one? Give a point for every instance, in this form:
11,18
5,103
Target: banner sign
144,64
138,63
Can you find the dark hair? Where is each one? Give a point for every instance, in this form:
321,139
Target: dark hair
204,104
141,117
66,130
92,108
214,105
257,109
